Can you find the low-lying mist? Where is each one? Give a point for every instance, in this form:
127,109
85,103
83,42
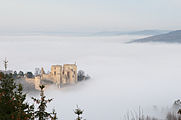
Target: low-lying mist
123,76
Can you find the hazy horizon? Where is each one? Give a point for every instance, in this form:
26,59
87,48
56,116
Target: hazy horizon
89,15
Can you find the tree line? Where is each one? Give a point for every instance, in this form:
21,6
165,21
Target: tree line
13,105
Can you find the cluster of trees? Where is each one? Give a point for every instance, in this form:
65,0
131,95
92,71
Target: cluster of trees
81,76
21,74
13,105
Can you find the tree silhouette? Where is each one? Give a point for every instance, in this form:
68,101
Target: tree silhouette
78,112
41,113
5,64
12,100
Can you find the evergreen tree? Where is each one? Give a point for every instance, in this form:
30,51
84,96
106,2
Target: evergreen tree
78,112
12,100
41,113
7,105
54,115
23,111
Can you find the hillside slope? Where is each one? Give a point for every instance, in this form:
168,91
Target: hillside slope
171,37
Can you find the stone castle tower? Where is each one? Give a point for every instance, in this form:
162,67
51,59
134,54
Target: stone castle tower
61,75
69,73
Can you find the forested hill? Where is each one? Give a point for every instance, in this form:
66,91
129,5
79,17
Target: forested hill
171,37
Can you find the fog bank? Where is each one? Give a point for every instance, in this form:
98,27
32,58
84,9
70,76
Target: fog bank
123,76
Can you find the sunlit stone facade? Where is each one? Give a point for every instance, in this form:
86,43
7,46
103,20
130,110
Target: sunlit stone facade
60,75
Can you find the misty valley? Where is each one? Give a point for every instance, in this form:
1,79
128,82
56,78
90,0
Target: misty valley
126,78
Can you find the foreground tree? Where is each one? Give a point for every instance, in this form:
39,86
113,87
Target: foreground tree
41,113
78,112
12,100
24,110
54,115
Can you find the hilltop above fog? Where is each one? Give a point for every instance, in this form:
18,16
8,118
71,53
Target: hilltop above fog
171,37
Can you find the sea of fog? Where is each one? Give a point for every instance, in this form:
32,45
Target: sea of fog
124,76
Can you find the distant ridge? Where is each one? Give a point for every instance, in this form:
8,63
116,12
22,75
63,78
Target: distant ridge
171,37
101,33
143,32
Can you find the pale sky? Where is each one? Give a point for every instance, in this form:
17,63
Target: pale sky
88,15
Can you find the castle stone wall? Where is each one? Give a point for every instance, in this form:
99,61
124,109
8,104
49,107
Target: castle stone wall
58,75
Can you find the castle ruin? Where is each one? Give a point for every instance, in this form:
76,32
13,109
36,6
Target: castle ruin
60,75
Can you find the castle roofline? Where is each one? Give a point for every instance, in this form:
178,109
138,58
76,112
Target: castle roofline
56,65
64,65
69,65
